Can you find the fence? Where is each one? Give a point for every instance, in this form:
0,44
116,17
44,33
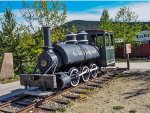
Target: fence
138,51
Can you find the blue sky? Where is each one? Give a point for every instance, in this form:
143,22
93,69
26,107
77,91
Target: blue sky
87,10
85,5
71,5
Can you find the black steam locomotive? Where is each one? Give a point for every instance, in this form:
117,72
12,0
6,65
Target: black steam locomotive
66,63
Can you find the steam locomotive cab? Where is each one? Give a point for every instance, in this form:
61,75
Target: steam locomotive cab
104,40
79,58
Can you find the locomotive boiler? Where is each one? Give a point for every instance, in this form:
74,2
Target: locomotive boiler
67,63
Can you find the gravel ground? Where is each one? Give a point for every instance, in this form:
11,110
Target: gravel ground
121,95
111,95
129,94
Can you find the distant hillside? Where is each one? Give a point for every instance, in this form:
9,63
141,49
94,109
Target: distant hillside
84,25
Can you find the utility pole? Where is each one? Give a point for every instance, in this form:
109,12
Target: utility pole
128,62
128,51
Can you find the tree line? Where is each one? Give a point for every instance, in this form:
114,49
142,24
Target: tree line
125,25
26,41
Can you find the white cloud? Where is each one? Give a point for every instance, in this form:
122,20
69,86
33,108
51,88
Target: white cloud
82,16
141,9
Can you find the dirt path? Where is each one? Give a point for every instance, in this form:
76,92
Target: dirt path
134,65
122,95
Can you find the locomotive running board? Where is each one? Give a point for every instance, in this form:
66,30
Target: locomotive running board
38,80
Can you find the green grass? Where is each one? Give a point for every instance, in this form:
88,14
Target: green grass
61,109
89,90
82,97
71,103
12,79
132,111
1,59
148,106
118,107
122,75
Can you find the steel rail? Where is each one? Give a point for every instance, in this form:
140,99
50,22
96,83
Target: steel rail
35,106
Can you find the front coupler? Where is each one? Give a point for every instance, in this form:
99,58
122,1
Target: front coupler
45,81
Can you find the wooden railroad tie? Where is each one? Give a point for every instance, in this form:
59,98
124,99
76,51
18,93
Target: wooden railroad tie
62,101
86,87
24,103
71,96
103,79
98,81
94,84
80,91
48,108
107,77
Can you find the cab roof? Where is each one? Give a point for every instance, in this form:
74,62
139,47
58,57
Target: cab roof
97,31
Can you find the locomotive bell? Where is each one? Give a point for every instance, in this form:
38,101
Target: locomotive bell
71,38
82,37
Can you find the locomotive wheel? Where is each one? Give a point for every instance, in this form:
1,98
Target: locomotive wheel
75,78
86,75
93,72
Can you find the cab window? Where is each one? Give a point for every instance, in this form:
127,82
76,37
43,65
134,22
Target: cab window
112,39
93,40
100,42
107,40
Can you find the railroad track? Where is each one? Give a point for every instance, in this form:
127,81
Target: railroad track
24,103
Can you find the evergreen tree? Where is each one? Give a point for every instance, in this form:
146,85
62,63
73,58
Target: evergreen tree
74,28
9,40
8,36
146,27
105,21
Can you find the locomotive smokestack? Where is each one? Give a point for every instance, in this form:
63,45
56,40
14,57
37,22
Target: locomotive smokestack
47,34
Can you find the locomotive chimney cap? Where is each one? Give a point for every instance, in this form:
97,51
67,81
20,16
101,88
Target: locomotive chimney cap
71,34
82,32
